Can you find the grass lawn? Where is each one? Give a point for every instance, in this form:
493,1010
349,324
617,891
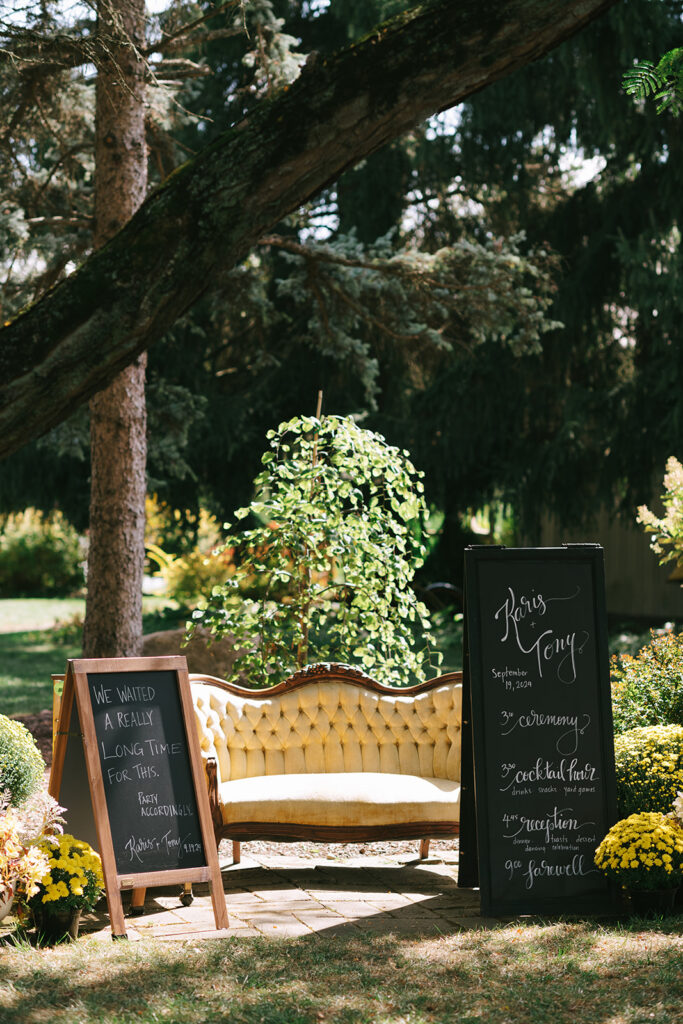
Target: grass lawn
36,638
527,973
38,635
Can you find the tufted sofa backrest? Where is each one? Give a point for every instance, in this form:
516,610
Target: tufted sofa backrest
329,724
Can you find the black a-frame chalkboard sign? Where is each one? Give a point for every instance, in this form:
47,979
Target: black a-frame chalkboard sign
128,769
537,673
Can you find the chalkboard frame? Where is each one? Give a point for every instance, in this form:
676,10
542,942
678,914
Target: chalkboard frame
77,690
478,769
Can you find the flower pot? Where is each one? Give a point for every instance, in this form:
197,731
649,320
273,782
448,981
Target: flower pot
653,902
54,924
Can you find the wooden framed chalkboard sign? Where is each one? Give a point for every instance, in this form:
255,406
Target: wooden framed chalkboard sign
128,725
538,673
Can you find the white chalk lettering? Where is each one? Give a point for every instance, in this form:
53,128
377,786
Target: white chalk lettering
128,719
102,694
135,694
121,750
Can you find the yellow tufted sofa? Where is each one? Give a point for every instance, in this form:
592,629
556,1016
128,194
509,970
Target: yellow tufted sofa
331,755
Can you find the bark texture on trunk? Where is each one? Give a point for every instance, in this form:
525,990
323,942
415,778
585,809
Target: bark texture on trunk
113,619
211,211
118,419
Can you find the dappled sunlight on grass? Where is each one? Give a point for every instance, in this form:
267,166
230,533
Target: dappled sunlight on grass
37,636
18,615
559,973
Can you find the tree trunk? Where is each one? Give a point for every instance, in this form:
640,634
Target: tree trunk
211,211
118,420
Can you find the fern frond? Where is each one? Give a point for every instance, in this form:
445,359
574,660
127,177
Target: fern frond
643,80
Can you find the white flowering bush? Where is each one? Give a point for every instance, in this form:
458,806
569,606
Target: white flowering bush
667,532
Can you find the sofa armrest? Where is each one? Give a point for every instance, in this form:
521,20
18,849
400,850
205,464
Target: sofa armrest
212,781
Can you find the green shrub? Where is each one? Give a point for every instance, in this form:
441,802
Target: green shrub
188,577
189,570
40,556
649,768
648,689
22,768
329,562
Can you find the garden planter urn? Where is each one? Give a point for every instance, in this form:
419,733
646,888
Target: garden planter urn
653,902
56,924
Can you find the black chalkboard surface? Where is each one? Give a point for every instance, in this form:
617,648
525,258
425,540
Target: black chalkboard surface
145,764
538,672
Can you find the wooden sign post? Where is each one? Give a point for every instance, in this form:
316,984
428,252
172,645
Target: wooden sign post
537,670
127,724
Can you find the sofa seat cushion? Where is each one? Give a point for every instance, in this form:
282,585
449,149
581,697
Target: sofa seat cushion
339,799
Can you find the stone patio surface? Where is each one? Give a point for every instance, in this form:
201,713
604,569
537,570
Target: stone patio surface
287,895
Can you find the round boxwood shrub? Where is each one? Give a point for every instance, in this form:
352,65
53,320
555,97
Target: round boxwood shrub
22,768
649,768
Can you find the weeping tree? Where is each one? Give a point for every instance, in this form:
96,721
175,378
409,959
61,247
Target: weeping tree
339,515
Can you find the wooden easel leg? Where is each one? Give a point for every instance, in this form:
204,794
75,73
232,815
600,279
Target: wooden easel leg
424,848
116,918
236,852
137,902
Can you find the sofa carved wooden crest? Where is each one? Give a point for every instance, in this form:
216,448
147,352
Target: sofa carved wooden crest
331,755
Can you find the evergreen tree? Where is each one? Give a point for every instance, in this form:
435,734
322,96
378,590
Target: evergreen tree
377,337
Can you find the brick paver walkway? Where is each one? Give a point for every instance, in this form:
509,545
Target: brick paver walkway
284,896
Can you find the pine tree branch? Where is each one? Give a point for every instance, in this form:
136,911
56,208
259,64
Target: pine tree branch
184,40
174,41
177,68
60,222
211,211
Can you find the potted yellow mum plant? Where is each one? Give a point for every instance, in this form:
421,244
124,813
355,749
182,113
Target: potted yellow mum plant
644,855
74,882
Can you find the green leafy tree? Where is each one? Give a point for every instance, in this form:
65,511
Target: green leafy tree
558,151
426,348
339,515
214,209
364,316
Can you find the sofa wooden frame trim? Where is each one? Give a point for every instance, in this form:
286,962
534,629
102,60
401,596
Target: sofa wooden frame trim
323,672
240,832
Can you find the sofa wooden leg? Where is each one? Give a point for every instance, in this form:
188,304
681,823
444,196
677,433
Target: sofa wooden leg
424,848
137,902
236,852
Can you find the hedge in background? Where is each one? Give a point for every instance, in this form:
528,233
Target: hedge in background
40,556
22,768
649,768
